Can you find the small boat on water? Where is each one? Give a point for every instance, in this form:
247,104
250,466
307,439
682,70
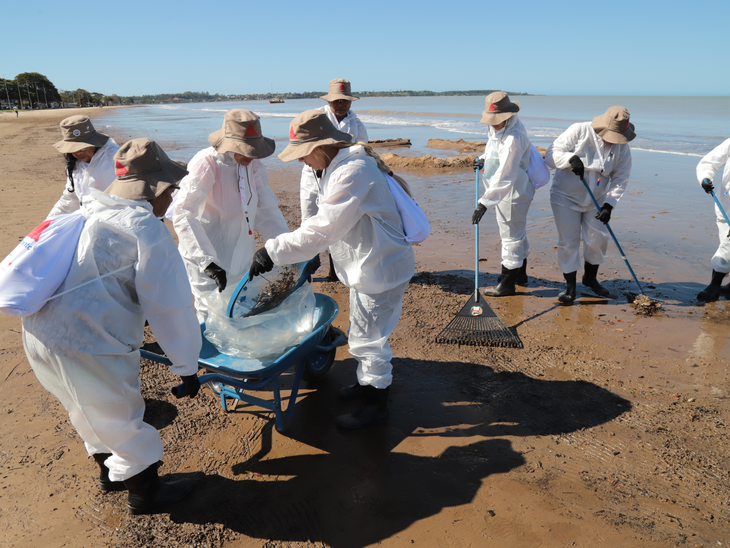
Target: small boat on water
277,100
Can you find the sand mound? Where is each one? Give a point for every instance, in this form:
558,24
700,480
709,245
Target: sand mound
428,162
461,145
390,143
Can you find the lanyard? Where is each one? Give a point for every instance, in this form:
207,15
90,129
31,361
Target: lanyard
242,191
601,158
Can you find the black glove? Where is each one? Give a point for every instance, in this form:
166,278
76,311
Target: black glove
478,163
605,215
313,265
261,263
707,186
576,165
191,384
217,274
478,214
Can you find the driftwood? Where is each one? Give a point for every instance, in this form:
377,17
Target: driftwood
390,143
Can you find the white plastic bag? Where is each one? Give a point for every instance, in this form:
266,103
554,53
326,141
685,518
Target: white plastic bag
537,171
415,222
33,271
265,336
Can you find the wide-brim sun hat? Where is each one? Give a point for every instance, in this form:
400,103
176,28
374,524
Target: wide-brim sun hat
339,89
309,130
144,171
498,108
614,126
241,134
78,133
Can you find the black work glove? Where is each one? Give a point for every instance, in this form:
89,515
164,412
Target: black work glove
192,384
478,164
605,215
707,186
261,263
576,165
217,274
313,265
478,214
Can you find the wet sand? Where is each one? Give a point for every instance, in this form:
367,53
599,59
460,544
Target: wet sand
607,428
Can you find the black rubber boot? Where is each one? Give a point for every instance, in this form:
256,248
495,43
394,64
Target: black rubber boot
147,493
712,292
372,413
506,284
568,296
105,484
353,392
590,280
522,274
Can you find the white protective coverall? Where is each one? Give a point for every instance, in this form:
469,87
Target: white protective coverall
607,170
359,222
218,206
97,174
308,187
706,169
84,345
506,159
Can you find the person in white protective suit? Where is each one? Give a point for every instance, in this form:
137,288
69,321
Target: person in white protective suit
706,170
222,200
89,162
83,345
339,99
599,152
359,222
508,188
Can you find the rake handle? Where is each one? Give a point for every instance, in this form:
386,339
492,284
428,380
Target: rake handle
717,202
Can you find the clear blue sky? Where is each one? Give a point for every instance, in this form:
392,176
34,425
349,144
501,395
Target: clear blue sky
637,47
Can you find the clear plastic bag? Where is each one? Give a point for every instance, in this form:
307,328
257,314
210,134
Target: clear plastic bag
267,335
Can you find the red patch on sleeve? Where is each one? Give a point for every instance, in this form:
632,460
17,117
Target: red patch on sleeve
37,231
121,171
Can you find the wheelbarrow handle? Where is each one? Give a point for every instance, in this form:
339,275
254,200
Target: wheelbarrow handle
339,341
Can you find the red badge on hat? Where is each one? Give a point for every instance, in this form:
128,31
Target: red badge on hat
121,171
627,125
292,135
342,87
492,107
37,231
250,131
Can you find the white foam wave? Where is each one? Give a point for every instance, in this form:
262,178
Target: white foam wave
677,153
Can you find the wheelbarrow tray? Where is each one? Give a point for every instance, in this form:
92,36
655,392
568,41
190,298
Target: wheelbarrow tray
235,376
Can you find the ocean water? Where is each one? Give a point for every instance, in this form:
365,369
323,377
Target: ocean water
665,222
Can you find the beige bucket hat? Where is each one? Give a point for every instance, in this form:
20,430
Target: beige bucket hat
241,133
309,130
498,108
614,126
78,133
339,89
144,171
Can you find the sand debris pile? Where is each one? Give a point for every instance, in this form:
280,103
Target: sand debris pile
428,162
390,142
461,145
645,306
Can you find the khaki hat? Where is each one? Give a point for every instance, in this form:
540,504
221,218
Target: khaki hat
339,89
614,126
78,133
241,133
309,130
144,171
498,108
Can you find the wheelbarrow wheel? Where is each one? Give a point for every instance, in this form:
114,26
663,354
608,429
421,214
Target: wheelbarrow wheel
317,364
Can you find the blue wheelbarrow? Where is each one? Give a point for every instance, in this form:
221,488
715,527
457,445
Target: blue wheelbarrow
234,378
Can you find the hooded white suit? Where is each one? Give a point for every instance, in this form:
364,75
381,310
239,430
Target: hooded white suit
308,187
506,159
359,222
84,345
607,170
218,206
97,174
706,169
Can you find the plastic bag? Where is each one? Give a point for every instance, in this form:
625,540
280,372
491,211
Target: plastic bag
34,270
537,171
415,222
264,336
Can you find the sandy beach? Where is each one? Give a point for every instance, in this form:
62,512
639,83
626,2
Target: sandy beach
609,428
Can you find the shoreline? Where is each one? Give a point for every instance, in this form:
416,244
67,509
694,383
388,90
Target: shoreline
608,427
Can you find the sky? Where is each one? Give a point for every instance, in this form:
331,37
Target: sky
638,47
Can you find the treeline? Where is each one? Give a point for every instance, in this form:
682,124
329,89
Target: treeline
34,90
